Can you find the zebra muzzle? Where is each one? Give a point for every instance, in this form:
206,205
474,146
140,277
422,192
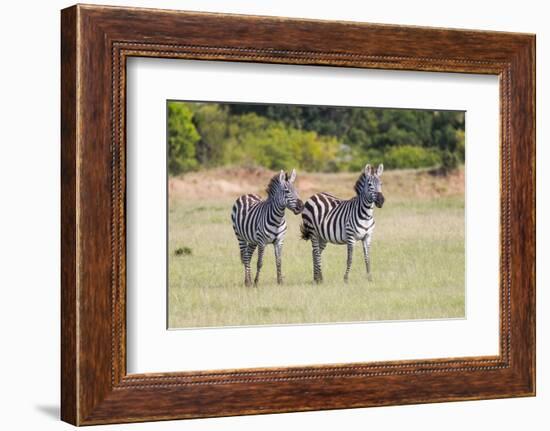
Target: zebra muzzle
379,201
298,208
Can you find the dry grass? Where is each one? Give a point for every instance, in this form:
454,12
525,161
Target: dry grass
418,255
230,183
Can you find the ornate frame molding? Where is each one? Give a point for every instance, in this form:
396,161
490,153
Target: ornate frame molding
96,41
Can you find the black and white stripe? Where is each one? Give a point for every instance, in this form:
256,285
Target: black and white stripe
328,219
258,222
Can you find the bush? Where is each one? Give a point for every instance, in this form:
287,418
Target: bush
461,145
212,122
449,162
356,160
182,137
316,139
411,157
254,140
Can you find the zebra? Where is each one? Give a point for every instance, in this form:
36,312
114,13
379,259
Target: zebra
258,222
328,219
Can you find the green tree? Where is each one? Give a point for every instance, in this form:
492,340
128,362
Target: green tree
322,137
213,122
449,162
409,157
182,137
461,145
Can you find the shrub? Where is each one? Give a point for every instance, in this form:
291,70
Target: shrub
449,162
357,160
182,137
411,157
255,140
461,145
183,251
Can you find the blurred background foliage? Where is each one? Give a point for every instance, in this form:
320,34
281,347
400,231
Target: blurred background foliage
311,138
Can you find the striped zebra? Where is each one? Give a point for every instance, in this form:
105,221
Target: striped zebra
327,218
257,223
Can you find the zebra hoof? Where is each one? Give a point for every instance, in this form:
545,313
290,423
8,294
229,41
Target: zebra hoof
346,280
369,277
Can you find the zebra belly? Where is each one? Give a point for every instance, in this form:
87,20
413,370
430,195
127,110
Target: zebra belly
333,234
265,237
315,215
343,235
336,221
249,222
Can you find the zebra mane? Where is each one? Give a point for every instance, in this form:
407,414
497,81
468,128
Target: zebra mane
273,183
360,184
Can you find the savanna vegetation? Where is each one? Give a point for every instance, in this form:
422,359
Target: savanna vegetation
418,258
311,138
218,152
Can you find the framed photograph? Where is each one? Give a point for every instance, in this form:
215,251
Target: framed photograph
264,214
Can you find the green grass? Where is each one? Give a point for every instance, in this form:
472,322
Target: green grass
418,266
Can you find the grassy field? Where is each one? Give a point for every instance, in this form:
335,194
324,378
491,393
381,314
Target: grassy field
418,259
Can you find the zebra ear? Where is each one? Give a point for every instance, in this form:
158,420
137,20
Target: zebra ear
368,169
380,169
282,175
292,175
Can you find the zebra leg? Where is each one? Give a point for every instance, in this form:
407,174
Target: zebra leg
261,249
248,258
243,245
366,253
318,245
350,259
278,252
243,248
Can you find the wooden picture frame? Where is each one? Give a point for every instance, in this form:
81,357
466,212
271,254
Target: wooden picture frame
95,43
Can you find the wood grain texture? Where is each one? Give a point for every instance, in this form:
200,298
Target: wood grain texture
96,41
69,369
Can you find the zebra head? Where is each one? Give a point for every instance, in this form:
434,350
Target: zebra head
369,185
282,190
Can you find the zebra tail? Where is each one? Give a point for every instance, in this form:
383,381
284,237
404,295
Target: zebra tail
306,233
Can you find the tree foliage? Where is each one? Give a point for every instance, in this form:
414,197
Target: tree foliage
409,156
182,138
312,138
